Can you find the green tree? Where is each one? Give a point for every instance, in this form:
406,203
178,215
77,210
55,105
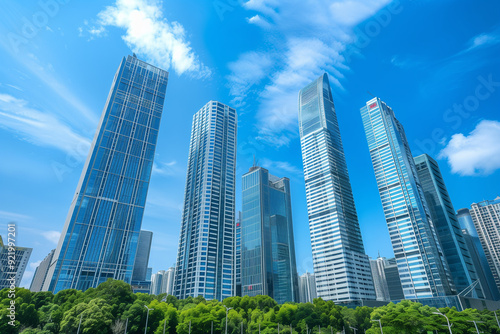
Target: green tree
96,317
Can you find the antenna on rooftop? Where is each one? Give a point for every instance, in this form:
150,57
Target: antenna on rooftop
370,93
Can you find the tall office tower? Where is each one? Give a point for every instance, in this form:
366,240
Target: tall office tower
393,280
149,272
267,244
237,256
422,267
41,273
379,280
341,268
307,288
486,218
477,255
206,244
8,270
142,256
446,224
100,235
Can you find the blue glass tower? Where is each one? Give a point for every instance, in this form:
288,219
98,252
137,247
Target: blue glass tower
267,244
205,259
100,236
422,267
341,267
447,227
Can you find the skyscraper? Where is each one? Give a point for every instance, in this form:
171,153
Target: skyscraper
237,256
142,256
307,288
206,244
446,224
341,267
422,267
100,235
9,270
477,255
41,273
386,279
393,280
267,244
486,218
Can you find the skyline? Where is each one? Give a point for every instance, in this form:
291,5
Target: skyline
69,108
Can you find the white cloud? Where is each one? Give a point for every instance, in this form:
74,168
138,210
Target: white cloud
283,167
13,216
483,40
150,35
475,154
166,168
39,128
52,236
307,38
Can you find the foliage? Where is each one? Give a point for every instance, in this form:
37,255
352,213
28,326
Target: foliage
111,306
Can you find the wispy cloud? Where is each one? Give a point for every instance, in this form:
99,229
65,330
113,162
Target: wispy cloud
166,168
477,153
150,35
13,216
39,128
283,167
311,38
483,40
52,236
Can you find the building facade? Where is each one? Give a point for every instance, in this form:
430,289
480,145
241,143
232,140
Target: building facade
448,229
341,267
393,280
307,288
41,273
486,218
206,244
422,267
101,232
12,273
386,279
267,243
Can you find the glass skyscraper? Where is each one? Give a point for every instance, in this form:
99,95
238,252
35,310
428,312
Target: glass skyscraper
101,232
237,256
206,244
486,218
267,244
341,267
446,224
422,267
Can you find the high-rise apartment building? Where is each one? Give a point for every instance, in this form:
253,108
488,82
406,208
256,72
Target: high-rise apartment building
267,243
12,273
163,282
101,232
41,273
307,288
237,256
206,244
486,218
446,224
341,267
422,267
477,255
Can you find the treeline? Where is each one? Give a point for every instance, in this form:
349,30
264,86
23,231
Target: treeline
105,310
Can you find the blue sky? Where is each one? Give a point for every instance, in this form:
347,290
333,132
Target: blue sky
436,63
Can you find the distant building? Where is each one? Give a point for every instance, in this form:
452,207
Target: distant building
163,282
386,279
142,256
157,282
486,218
237,256
422,266
477,254
463,271
149,272
307,288
267,244
16,270
41,273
